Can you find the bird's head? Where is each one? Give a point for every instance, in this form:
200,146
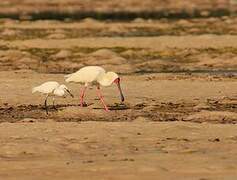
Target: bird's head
65,88
113,77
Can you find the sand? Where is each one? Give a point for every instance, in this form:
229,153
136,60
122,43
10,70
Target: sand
179,78
114,150
178,127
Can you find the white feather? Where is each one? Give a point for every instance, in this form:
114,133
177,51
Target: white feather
91,74
46,88
68,75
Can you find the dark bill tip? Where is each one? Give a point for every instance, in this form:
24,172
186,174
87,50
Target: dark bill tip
70,93
120,91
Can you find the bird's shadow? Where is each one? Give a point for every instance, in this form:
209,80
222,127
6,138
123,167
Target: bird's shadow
61,106
116,106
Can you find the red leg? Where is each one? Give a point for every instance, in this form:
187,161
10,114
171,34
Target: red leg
82,96
101,99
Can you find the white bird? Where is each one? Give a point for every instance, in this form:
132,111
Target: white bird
94,75
52,88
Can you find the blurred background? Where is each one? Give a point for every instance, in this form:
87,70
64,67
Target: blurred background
116,9
199,28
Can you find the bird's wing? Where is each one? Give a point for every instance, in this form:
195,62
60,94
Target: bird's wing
46,87
86,75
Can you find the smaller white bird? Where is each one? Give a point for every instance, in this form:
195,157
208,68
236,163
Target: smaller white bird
95,75
52,88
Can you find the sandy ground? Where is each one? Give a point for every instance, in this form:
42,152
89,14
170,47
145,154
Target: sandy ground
179,78
128,150
171,126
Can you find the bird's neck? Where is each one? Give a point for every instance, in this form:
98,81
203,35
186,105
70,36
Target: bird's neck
59,91
103,80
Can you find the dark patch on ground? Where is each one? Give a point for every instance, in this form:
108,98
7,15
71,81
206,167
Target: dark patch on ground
141,61
151,111
117,15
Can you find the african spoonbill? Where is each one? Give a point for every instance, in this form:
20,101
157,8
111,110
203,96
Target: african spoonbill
95,75
53,89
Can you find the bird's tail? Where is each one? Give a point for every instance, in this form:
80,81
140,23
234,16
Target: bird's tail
68,75
35,89
67,80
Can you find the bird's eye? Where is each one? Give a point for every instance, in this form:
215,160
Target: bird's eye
117,80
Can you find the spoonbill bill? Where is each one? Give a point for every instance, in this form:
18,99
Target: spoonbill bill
53,89
97,76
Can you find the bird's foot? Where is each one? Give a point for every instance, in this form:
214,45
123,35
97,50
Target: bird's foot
83,104
46,111
107,109
54,107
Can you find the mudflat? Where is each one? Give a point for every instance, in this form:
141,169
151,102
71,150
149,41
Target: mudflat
179,78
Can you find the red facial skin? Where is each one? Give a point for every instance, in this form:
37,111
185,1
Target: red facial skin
117,81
